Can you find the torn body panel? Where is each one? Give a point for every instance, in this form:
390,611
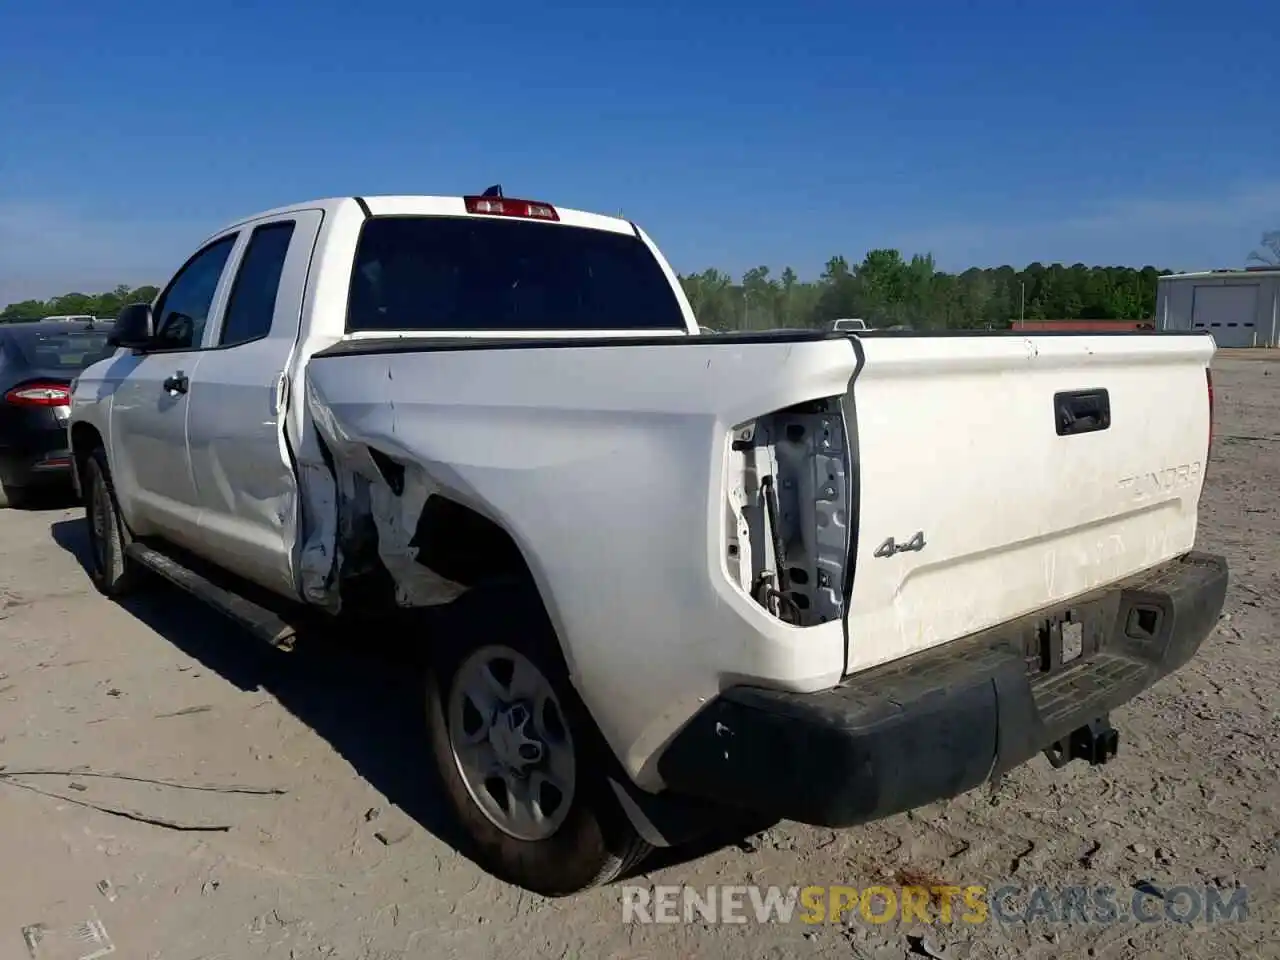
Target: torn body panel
396,516
692,511
790,511
374,500
600,473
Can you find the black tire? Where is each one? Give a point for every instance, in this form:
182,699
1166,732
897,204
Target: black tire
596,843
110,570
11,496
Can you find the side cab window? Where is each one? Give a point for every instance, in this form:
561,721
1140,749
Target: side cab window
252,303
183,309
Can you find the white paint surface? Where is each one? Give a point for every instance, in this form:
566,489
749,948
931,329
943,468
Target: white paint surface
607,464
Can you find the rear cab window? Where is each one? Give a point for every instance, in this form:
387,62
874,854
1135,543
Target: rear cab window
420,273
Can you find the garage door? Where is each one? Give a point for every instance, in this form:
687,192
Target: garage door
1229,313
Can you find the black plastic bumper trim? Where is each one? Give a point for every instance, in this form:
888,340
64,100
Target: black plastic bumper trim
938,723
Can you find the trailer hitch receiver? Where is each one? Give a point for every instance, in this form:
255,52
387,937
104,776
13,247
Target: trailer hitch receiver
1096,742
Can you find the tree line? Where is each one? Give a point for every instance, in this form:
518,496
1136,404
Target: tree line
887,290
102,305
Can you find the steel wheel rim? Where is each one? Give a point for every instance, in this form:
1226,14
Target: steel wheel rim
511,743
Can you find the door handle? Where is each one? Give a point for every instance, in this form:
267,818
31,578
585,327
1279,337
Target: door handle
178,383
1082,411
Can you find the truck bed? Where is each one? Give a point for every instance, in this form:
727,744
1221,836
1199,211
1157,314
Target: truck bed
962,505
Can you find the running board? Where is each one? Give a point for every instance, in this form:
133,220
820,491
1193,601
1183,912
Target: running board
263,623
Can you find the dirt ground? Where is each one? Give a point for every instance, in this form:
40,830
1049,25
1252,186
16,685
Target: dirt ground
350,860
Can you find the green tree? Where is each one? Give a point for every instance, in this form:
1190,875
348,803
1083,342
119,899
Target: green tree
1268,254
102,305
760,300
788,283
885,288
26,310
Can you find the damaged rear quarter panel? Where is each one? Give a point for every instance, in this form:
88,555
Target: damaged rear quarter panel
605,465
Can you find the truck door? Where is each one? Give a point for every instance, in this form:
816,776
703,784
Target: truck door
240,460
149,408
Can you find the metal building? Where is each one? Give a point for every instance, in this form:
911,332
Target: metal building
1241,308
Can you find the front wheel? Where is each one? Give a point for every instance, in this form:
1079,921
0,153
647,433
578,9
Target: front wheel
522,763
110,569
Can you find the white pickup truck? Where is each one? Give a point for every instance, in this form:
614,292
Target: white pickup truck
809,575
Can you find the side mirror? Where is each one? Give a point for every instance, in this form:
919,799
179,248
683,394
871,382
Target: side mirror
135,327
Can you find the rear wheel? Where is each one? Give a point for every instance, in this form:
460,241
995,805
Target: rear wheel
111,571
11,496
522,763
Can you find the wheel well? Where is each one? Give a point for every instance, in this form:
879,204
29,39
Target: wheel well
465,546
84,439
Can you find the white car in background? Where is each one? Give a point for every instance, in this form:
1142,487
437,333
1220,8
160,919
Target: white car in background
850,324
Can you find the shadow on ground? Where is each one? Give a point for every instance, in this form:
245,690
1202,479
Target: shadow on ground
55,497
364,697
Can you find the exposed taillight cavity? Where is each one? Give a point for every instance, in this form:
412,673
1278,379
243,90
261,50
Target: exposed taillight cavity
507,207
39,395
788,510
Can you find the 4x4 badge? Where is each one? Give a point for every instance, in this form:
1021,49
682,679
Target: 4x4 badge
891,548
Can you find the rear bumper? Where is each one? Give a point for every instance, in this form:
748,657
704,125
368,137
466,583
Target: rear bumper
33,447
29,468
938,723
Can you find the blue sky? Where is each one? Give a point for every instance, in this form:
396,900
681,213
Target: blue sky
736,133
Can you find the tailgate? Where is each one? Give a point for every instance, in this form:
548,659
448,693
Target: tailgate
989,487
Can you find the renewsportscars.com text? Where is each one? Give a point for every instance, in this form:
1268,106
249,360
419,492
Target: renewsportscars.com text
973,904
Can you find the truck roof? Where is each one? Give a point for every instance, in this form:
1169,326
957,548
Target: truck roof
410,205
